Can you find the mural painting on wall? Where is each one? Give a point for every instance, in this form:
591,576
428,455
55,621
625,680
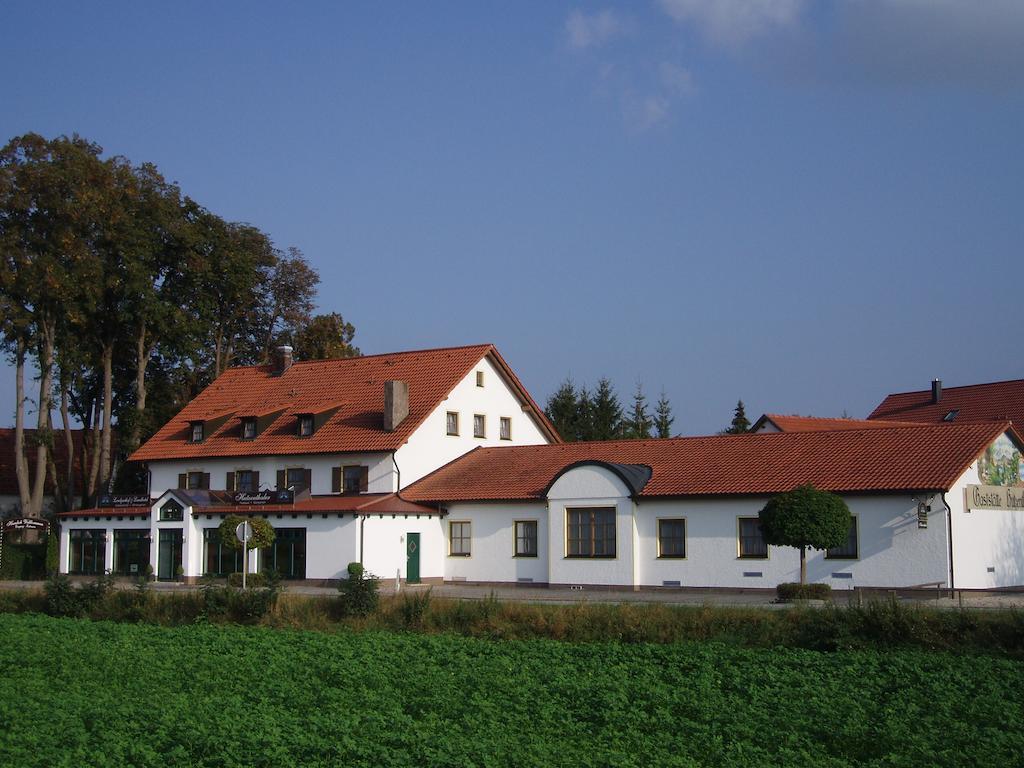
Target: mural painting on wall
1001,464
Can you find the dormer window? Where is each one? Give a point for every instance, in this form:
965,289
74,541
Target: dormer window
172,511
197,431
248,429
305,425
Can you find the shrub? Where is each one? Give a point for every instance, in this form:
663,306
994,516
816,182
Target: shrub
798,591
262,532
63,599
358,593
413,609
245,606
254,580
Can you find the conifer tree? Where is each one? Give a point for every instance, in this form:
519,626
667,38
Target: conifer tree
740,422
639,423
561,410
607,412
663,417
584,415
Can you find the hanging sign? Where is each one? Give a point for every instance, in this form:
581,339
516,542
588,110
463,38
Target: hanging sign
25,524
257,498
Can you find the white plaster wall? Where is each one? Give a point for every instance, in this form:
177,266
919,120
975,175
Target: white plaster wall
493,545
385,542
591,486
430,446
381,472
984,539
893,551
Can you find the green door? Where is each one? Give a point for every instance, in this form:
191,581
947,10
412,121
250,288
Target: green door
169,556
412,558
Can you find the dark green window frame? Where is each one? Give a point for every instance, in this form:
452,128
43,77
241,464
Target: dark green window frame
88,553
131,547
526,538
218,559
287,555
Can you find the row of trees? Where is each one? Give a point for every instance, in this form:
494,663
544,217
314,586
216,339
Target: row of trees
128,298
579,414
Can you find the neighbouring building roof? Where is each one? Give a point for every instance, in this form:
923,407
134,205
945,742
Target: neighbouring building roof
8,474
910,458
997,401
816,424
355,389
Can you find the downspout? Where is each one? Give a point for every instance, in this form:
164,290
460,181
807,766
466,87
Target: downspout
398,471
949,515
362,521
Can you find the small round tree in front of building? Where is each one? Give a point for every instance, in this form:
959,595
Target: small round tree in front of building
805,517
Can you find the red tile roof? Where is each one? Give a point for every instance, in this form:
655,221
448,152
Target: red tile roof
816,424
998,401
923,457
355,384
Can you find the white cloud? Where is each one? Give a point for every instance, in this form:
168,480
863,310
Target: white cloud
734,22
676,80
643,114
591,30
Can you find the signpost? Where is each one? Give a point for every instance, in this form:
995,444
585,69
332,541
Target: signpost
243,531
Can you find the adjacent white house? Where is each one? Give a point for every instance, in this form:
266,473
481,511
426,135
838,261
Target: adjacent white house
931,505
321,450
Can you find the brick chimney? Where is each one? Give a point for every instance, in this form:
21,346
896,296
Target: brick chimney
282,359
396,404
936,390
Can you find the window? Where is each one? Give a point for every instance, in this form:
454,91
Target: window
750,538
353,479
590,532
172,511
296,479
526,538
505,428
197,431
458,539
849,550
131,552
305,425
245,481
218,559
287,555
479,378
88,552
479,425
453,423
195,481
248,429
672,538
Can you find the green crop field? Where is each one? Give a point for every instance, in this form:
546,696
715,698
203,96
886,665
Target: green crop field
81,693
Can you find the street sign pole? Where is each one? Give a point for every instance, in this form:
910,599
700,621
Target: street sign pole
243,532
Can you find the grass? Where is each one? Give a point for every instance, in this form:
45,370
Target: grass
78,692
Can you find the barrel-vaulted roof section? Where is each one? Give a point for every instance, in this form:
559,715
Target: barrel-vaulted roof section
355,385
905,458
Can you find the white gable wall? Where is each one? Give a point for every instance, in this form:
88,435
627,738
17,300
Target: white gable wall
430,446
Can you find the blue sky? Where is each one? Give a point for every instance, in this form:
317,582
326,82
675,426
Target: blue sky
804,205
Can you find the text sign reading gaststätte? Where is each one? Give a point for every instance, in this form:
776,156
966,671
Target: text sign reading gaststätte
994,497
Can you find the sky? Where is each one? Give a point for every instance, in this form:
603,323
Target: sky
802,204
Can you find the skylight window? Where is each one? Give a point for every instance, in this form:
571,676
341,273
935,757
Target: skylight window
951,415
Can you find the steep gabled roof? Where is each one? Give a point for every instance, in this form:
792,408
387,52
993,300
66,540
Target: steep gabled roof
817,424
355,386
997,401
915,458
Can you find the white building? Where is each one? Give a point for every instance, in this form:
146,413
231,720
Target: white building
931,505
341,437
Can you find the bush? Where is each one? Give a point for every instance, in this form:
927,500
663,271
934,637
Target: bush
798,591
63,599
245,606
24,562
358,593
254,580
414,608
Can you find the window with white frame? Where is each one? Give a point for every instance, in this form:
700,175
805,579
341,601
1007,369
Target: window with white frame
459,539
197,431
305,425
452,423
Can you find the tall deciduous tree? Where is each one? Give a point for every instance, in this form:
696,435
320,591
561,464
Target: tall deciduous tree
805,517
325,337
